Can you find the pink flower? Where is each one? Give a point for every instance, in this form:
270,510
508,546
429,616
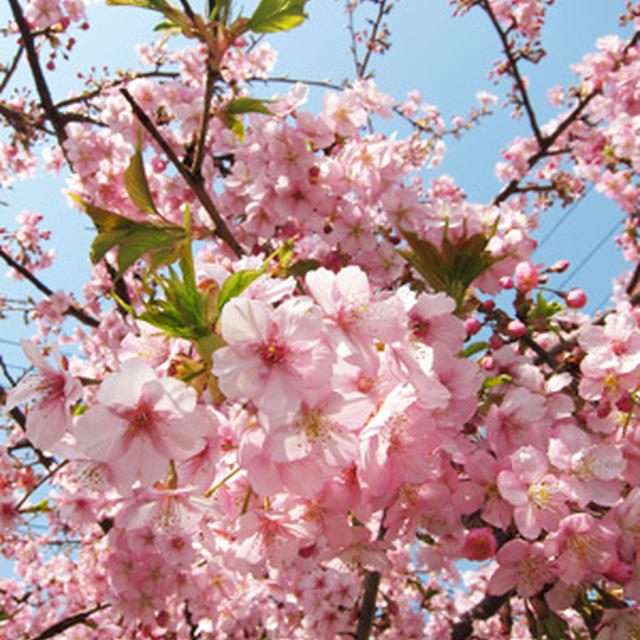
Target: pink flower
275,358
54,390
522,565
140,423
526,276
538,497
585,549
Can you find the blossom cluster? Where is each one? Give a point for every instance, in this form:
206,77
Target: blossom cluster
306,401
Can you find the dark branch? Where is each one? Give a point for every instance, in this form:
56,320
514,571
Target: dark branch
368,607
67,623
195,182
36,70
382,10
11,69
515,72
77,313
202,136
484,610
548,142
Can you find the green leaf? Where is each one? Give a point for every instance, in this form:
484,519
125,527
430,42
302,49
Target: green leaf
135,182
248,105
546,308
235,124
240,106
162,243
235,284
302,267
503,378
41,507
453,267
133,239
277,15
473,348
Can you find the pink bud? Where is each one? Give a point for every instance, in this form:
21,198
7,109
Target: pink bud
604,410
488,305
506,282
576,298
620,572
625,403
516,328
472,326
496,342
488,363
480,544
559,267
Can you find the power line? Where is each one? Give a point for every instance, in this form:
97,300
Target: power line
567,213
13,343
591,253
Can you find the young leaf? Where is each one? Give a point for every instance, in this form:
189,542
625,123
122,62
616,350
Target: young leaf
248,105
473,348
235,284
233,123
240,106
277,15
133,239
135,182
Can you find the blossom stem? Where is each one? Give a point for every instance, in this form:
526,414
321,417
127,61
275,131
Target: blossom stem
216,486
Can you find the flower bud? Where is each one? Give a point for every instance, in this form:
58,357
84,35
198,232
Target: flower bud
576,299
516,328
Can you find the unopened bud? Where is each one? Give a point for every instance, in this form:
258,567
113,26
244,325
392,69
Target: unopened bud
516,328
576,298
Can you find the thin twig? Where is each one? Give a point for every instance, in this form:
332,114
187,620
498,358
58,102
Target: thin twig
36,70
195,182
323,84
44,479
67,623
12,67
202,136
515,72
71,310
549,141
354,41
46,461
82,98
382,10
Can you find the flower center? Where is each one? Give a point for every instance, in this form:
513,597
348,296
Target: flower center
272,353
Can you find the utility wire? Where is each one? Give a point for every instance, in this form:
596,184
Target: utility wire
567,213
591,253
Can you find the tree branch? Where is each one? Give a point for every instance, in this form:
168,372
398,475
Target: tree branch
368,606
485,609
67,623
195,182
11,69
202,135
382,10
370,586
515,72
548,142
38,77
77,313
